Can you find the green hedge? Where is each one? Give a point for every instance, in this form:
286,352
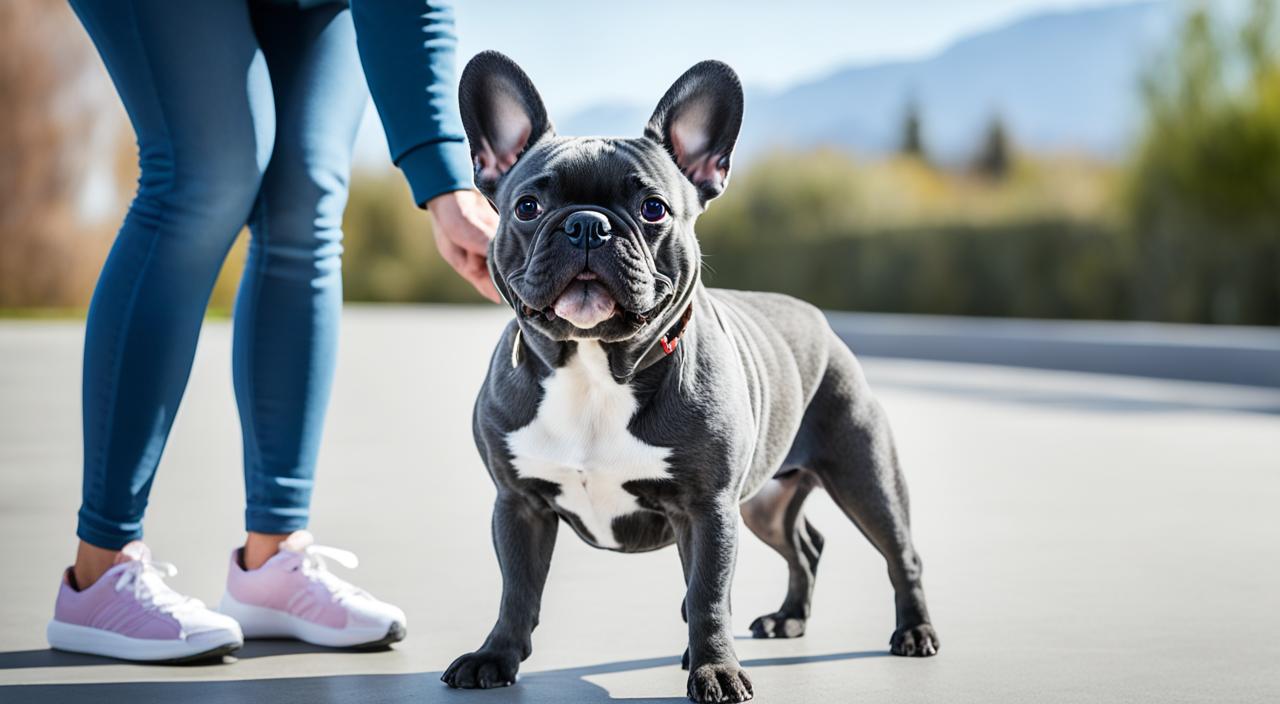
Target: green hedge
1047,269
1041,270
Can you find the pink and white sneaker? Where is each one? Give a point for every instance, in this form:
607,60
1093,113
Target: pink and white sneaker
131,614
294,595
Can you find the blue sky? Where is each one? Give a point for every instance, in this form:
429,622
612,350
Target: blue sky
580,53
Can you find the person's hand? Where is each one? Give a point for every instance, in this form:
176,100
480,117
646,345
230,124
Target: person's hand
464,224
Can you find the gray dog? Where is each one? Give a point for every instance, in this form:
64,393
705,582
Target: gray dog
644,409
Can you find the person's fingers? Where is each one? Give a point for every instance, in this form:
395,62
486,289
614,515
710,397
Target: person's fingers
477,223
485,286
478,265
465,219
464,245
476,272
472,267
452,254
470,237
480,278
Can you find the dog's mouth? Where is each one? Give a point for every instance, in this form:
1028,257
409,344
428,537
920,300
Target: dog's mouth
585,303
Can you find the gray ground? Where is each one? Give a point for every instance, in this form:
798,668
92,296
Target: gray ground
1086,539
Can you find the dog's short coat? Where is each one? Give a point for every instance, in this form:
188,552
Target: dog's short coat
644,409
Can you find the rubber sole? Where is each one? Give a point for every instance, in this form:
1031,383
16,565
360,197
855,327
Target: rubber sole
201,657
395,634
261,622
95,641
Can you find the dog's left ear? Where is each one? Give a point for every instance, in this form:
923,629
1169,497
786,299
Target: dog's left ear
502,114
698,122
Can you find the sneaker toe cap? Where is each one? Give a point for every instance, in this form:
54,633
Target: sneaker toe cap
371,613
212,627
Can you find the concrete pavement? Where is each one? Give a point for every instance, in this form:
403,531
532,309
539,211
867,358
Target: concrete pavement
1086,538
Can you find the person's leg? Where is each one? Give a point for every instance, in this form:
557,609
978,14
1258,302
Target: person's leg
196,88
286,326
287,311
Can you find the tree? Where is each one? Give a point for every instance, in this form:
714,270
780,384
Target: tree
1205,182
48,122
994,157
912,144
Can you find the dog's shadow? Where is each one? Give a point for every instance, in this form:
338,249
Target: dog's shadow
571,685
543,687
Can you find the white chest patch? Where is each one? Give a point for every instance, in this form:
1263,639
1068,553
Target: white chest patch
579,440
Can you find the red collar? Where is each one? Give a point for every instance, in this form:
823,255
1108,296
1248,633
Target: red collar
668,342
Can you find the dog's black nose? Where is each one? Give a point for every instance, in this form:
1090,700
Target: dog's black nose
587,229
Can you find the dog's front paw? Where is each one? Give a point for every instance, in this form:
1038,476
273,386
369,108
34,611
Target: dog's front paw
777,625
483,669
918,641
719,683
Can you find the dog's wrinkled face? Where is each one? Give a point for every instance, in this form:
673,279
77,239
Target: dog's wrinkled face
595,238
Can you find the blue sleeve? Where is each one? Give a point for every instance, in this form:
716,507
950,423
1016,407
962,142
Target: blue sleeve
407,48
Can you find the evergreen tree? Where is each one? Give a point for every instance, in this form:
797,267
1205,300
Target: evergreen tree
994,157
912,144
1205,182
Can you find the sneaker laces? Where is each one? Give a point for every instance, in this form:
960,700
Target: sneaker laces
315,567
146,579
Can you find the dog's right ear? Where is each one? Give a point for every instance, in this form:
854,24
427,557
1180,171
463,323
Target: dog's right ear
502,114
697,121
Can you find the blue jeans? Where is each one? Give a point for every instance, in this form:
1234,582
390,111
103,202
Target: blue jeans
246,113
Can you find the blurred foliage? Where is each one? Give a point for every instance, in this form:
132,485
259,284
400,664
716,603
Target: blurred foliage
898,236
828,194
390,251
1204,189
48,119
1046,269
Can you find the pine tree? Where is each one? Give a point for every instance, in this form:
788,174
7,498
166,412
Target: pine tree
994,158
912,144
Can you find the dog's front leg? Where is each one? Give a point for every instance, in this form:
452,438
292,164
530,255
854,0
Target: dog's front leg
524,535
712,540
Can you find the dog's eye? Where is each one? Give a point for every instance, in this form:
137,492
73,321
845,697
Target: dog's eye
527,208
653,210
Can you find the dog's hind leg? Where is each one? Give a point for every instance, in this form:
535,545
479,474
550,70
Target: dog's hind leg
775,515
848,444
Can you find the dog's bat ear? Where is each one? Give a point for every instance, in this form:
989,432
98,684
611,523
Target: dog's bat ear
698,122
502,114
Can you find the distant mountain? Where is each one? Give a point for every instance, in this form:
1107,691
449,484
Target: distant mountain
1061,81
